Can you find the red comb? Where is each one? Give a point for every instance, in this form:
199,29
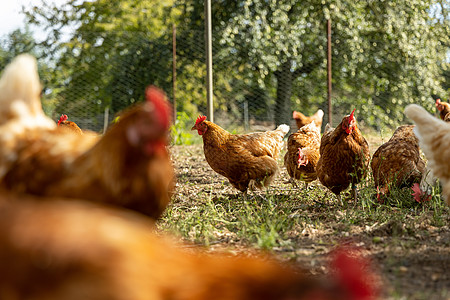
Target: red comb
200,119
352,115
378,194
62,118
438,102
418,194
353,273
157,97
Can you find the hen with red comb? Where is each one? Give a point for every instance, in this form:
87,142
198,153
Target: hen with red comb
77,250
69,125
128,166
344,156
247,160
443,108
302,154
397,163
62,119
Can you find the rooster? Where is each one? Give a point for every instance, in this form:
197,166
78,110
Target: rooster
434,140
398,162
344,156
78,250
301,120
302,153
247,160
443,108
128,166
72,126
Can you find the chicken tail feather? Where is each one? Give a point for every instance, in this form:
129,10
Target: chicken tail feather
20,90
283,128
424,121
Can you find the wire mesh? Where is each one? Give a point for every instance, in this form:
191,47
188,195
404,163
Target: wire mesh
98,74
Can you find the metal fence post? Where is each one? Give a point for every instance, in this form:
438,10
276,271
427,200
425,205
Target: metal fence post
174,71
209,77
106,119
330,116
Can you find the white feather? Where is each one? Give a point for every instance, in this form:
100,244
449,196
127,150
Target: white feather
283,128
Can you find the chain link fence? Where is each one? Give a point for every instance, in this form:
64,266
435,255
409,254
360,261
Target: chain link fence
96,75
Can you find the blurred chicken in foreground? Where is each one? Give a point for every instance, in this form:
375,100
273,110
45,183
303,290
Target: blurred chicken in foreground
344,156
247,160
434,140
72,126
74,250
302,120
20,104
128,166
398,162
302,153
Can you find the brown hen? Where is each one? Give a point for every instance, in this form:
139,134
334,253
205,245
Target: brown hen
397,162
302,120
247,160
128,166
434,140
302,153
73,250
69,125
344,156
443,108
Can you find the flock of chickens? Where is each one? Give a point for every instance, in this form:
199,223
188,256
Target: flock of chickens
339,158
77,209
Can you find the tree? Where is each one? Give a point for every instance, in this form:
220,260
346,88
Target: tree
386,54
97,45
380,48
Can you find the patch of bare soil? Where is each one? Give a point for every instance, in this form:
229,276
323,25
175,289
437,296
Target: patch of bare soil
413,261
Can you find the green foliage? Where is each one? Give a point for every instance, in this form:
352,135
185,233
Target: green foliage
263,223
112,55
180,131
270,223
269,54
209,213
379,57
197,222
258,221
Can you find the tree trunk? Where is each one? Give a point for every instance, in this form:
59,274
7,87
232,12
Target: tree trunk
283,113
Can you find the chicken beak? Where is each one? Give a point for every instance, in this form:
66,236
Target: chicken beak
194,128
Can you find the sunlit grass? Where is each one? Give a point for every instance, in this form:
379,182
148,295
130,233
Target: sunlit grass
268,220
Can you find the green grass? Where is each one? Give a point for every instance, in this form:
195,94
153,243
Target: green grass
304,224
270,222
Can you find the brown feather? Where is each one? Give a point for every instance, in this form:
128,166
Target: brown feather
108,169
434,140
308,137
443,108
302,120
72,126
77,250
245,159
344,158
398,162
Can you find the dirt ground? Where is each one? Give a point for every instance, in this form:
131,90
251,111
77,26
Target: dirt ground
413,261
